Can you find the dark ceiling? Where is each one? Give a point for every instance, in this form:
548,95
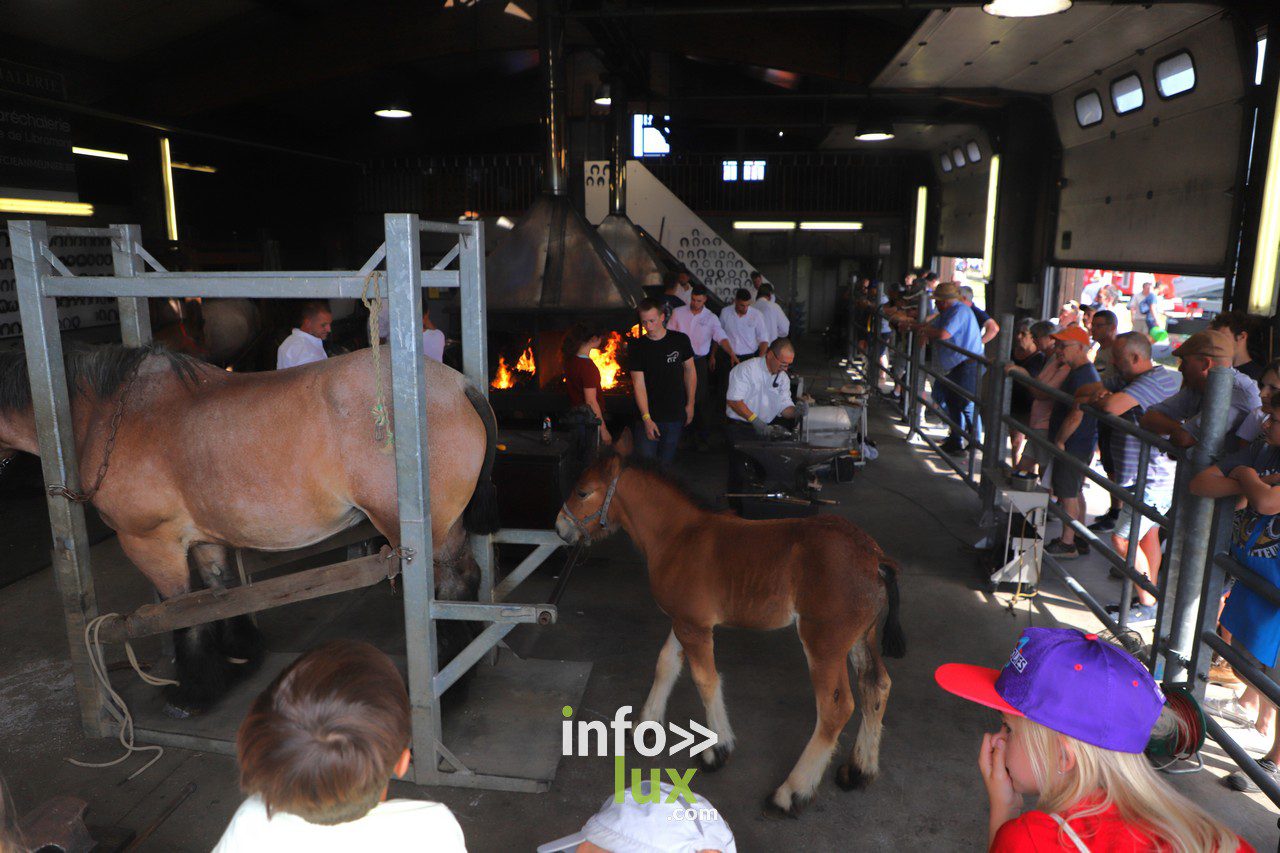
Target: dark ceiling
307,74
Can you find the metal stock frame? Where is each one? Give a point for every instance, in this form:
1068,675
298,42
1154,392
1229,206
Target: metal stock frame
41,278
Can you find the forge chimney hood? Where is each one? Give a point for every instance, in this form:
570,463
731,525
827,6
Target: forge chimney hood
553,260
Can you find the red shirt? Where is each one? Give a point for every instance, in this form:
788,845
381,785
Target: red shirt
579,374
1101,833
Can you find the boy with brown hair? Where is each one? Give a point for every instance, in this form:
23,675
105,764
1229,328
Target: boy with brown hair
316,753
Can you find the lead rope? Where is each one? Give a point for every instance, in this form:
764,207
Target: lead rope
382,431
115,706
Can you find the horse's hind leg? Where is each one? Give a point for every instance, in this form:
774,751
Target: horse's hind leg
670,662
834,699
203,672
873,692
699,651
237,638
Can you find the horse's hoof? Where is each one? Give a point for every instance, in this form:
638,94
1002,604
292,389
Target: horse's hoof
772,809
714,758
849,777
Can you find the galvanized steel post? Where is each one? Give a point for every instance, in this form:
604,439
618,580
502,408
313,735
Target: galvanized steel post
1184,574
995,405
51,403
918,342
135,316
408,384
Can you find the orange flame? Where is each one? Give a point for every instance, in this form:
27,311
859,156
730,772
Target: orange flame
635,331
506,377
503,378
526,363
606,361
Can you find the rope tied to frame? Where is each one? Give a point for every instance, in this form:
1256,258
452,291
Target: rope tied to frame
115,706
59,490
382,431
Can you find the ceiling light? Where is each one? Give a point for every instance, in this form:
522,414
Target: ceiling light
97,152
392,112
873,130
779,134
603,98
516,12
754,225
1025,8
504,222
830,226
46,207
194,167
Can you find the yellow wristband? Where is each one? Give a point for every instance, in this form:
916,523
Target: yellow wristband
645,417
752,418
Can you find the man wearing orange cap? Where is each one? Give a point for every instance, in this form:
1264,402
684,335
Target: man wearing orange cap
1075,432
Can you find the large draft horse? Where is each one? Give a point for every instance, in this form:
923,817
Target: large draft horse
205,460
707,569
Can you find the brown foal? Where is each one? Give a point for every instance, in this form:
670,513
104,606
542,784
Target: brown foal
707,569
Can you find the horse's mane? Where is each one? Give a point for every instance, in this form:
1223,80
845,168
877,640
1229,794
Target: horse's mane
654,468
99,370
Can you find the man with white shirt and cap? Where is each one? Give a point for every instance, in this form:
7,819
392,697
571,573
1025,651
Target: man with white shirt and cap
744,326
306,343
706,335
776,323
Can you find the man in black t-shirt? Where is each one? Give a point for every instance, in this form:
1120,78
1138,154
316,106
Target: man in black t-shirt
665,382
670,300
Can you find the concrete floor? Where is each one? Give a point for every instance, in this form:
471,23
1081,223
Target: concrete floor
928,797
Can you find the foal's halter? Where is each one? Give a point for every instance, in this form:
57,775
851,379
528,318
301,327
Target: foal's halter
602,513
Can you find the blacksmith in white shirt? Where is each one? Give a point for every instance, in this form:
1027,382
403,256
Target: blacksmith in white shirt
745,326
760,391
706,335
306,343
776,323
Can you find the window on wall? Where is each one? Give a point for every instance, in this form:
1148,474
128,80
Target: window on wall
1262,55
753,170
729,170
957,157
1088,109
1175,75
1127,95
647,140
945,161
974,152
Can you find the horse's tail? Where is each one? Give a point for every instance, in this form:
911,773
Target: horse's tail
893,643
481,514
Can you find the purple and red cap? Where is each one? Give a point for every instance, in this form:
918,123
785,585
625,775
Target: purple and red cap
1068,681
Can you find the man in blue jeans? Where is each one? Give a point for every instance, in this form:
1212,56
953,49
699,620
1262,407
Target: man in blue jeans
665,382
956,324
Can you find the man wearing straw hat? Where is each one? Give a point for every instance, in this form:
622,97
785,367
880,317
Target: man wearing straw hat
954,323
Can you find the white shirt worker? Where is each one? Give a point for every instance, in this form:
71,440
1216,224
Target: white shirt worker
776,323
745,331
299,348
765,394
703,328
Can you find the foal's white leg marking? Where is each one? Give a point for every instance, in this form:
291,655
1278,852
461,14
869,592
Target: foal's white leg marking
873,693
670,663
831,691
718,719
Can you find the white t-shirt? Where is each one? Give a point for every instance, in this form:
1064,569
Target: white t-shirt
392,825
776,323
746,331
299,348
703,328
433,344
764,393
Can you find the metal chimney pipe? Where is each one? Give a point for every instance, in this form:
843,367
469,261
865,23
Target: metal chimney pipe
621,133
551,52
